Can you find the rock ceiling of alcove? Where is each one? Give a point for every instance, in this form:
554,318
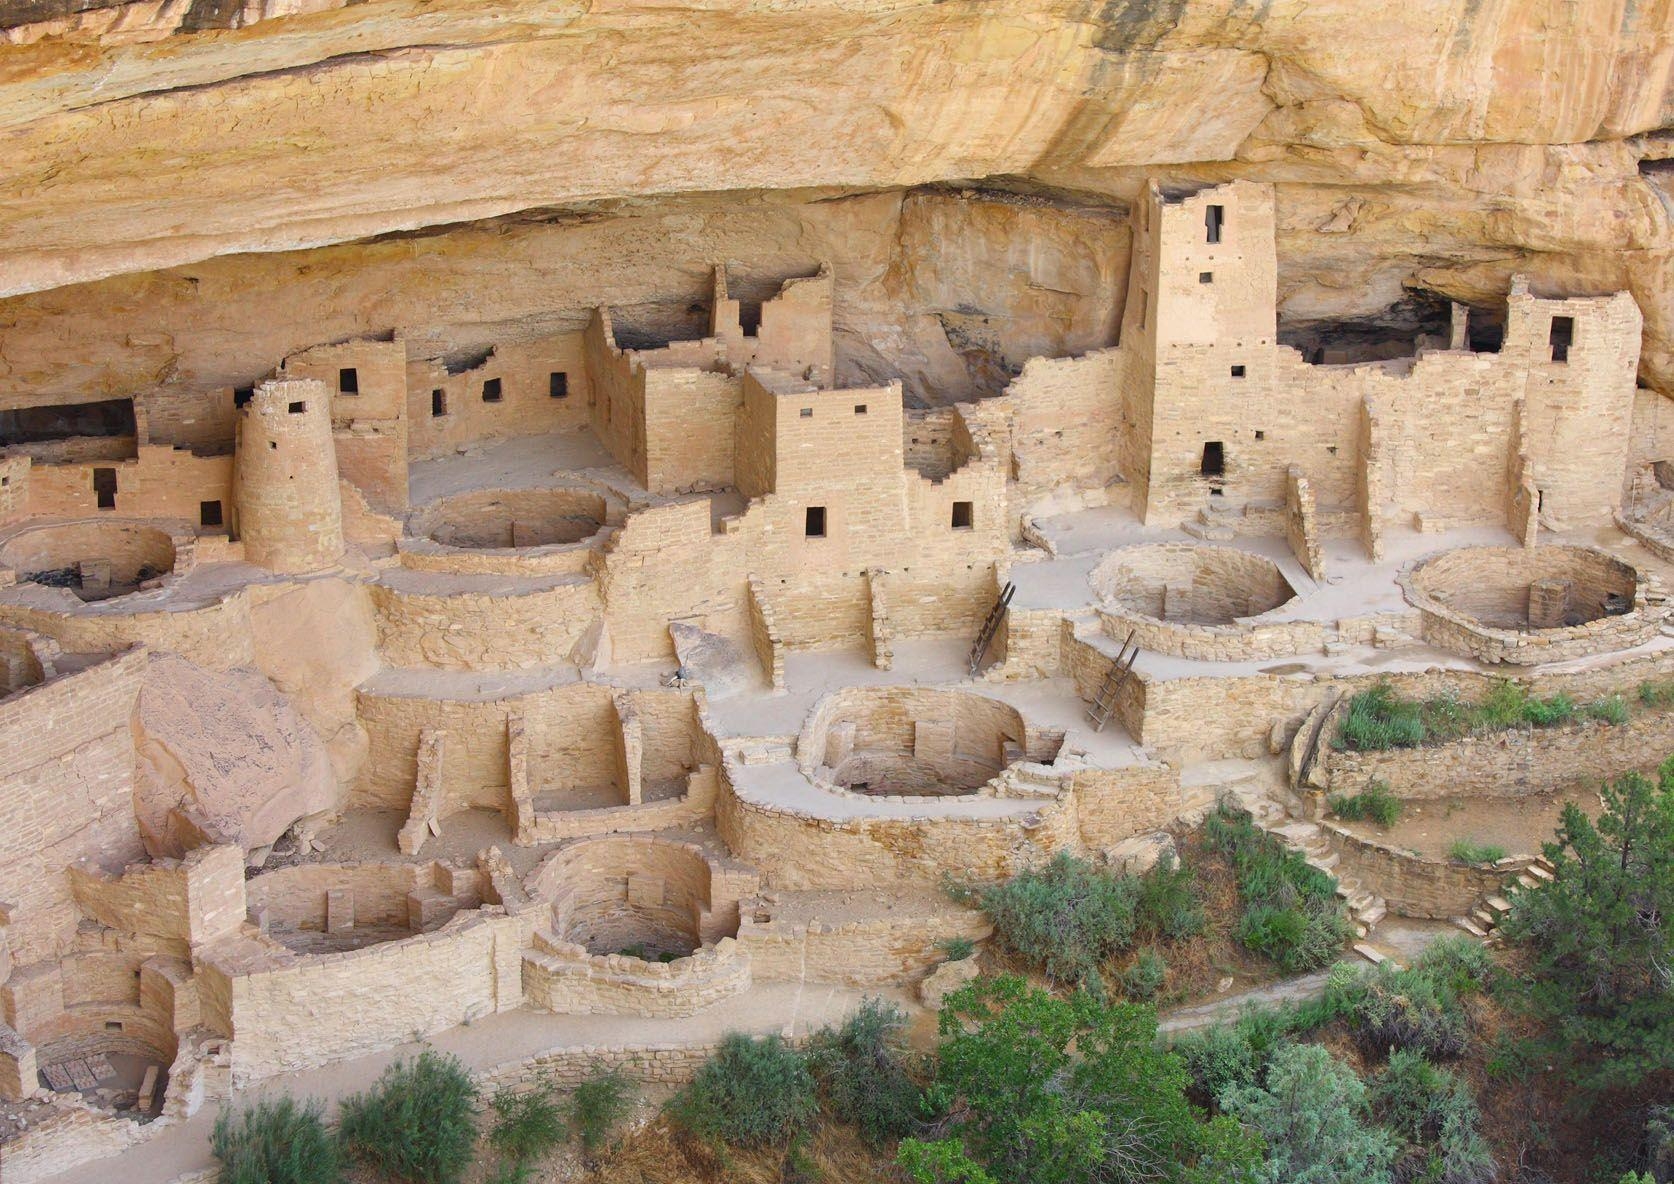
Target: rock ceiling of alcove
1444,144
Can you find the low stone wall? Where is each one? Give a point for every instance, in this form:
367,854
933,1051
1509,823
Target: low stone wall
216,635
501,629
566,1068
563,977
864,953
1519,762
380,892
1415,886
72,1134
1242,641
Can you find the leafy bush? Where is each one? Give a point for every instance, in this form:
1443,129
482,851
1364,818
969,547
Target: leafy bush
1433,1110
1064,919
1374,802
1600,938
1657,694
527,1124
1378,719
1169,906
1456,962
598,1105
1420,1008
1047,1090
417,1122
1611,710
861,1068
275,1142
1471,851
751,1093
1313,1114
1291,911
958,949
1145,977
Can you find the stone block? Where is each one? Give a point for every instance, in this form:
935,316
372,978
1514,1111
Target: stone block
340,910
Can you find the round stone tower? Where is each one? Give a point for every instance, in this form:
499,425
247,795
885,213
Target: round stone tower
289,512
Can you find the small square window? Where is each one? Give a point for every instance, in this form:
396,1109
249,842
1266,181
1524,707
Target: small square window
491,392
962,517
438,403
273,444
807,413
1205,277
1238,371
814,525
558,385
104,488
1260,435
5,481
860,409
113,1025
348,381
1561,337
298,408
209,513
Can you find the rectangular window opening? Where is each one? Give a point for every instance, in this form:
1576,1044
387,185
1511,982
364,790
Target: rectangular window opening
242,395
104,488
1563,336
1238,371
1214,217
1260,435
860,409
807,413
962,517
348,381
438,403
209,513
491,392
1214,460
814,525
1205,277
113,1025
298,408
558,385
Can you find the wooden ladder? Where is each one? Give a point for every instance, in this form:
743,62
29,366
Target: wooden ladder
1104,703
990,626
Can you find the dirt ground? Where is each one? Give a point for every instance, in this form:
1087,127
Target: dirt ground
1520,825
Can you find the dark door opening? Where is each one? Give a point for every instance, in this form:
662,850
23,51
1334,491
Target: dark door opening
438,403
814,524
348,381
962,515
1214,460
491,390
1562,337
1213,219
209,513
104,488
558,385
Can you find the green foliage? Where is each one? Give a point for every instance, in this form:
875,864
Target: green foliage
1144,979
527,1124
751,1093
417,1122
1049,1090
958,949
1657,694
1313,1114
1434,1111
275,1142
598,1105
1169,907
1378,718
861,1068
1413,1009
1601,935
1291,911
1064,919
1375,802
1612,709
1470,851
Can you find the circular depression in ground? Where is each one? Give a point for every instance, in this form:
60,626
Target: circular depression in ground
1190,583
95,559
1550,587
498,519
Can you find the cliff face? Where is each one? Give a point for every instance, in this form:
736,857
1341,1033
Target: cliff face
1440,146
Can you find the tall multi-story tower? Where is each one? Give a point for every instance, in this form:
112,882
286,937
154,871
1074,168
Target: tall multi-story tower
289,511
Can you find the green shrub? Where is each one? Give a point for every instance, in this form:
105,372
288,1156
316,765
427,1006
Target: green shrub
275,1142
1657,694
527,1124
1375,802
1456,962
1470,851
1291,911
1145,977
1433,1110
1378,719
1064,919
958,949
598,1106
1407,1009
1169,907
1548,713
1313,1114
1611,710
861,1068
417,1122
751,1093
